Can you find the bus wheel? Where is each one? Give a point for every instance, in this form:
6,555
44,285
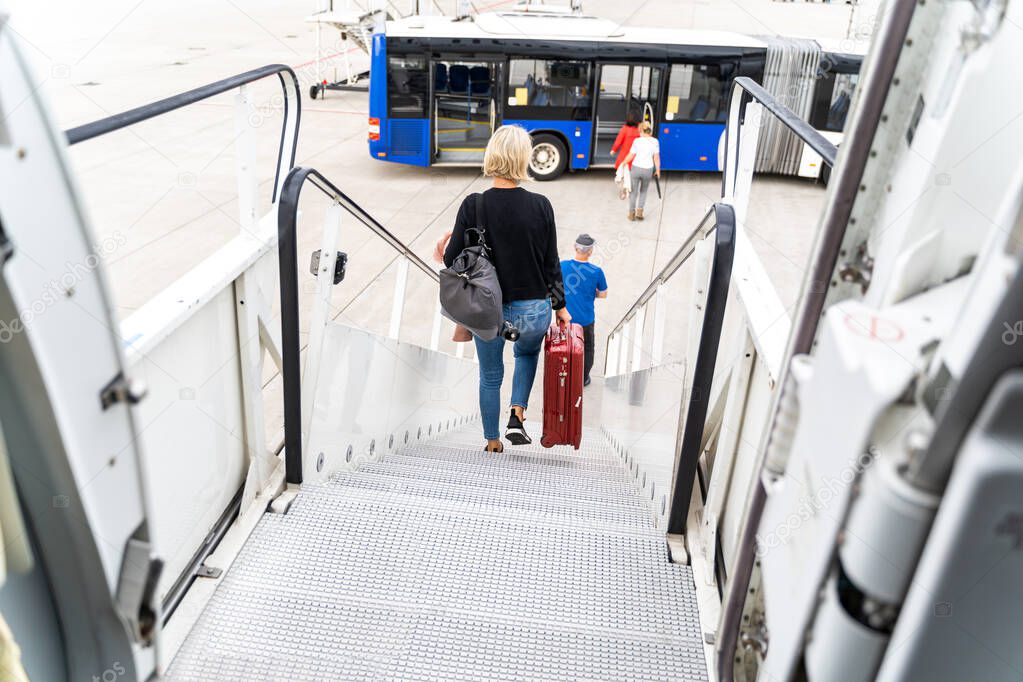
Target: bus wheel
549,158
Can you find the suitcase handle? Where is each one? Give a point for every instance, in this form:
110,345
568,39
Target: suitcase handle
563,330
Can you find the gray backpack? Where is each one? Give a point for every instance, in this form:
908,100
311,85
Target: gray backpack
470,293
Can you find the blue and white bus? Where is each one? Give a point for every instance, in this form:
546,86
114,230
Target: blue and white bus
439,87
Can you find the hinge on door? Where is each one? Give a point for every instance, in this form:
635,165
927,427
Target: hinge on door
121,390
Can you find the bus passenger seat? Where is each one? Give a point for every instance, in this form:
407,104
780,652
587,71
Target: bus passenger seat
440,77
479,80
458,79
838,111
530,85
700,109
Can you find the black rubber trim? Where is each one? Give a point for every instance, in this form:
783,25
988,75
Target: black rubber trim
287,228
706,361
6,248
124,119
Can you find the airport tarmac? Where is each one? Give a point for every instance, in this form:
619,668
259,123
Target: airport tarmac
163,195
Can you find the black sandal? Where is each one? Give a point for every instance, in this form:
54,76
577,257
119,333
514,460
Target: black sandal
486,448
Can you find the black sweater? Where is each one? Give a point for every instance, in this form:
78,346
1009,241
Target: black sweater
522,238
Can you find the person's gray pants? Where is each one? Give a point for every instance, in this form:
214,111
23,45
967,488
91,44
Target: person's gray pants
640,184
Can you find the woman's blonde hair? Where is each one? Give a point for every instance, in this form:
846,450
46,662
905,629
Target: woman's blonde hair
644,128
508,153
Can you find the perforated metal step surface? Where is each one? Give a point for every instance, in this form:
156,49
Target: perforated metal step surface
443,563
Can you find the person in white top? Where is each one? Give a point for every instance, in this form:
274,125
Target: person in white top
645,162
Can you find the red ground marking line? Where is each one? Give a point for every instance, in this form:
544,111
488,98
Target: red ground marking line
496,4
304,109
325,58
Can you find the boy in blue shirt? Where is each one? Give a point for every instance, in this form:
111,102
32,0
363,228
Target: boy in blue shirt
584,282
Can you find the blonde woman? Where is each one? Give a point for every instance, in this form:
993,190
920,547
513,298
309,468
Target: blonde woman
645,160
523,239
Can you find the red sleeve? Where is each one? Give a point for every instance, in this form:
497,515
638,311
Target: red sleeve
619,139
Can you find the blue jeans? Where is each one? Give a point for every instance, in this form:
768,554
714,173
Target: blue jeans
531,318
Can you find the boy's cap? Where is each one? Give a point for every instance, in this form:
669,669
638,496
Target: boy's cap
585,240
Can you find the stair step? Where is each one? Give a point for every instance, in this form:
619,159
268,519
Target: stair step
625,514
619,582
521,485
442,563
511,457
529,480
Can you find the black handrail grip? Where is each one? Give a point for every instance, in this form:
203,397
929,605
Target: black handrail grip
703,371
124,119
287,253
287,228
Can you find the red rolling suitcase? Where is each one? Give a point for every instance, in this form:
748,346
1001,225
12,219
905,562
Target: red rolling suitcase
563,386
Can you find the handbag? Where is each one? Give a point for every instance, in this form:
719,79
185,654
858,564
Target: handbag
470,293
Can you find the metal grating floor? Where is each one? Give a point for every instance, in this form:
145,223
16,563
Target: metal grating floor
441,563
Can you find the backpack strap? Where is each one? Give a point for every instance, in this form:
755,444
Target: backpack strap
480,229
480,223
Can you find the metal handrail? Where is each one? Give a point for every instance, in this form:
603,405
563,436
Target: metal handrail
287,251
328,188
746,90
124,119
678,260
688,456
704,366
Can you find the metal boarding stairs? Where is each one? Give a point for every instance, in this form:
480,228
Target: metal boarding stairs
392,548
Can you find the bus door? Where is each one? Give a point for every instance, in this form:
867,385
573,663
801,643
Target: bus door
694,114
464,111
624,90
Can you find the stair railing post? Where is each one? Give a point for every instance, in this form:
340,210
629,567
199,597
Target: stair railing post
435,332
637,342
398,304
245,153
318,321
657,345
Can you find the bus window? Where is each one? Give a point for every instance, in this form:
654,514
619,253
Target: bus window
548,89
408,86
831,101
698,93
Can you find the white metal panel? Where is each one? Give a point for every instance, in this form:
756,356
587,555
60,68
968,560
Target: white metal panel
373,389
192,430
641,411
